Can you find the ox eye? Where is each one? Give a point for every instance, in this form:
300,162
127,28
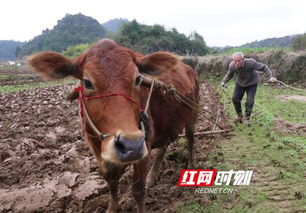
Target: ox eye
88,84
138,80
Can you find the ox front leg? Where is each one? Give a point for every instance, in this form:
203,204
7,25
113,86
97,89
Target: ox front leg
113,204
139,182
153,174
112,177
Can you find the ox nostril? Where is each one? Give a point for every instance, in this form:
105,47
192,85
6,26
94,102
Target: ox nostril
120,147
129,149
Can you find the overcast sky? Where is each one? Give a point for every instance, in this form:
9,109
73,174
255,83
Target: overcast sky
220,22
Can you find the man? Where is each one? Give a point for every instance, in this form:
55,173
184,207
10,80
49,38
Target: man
247,80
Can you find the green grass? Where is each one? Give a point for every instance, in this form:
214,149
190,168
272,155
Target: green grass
18,88
16,77
14,67
268,107
278,157
254,50
192,206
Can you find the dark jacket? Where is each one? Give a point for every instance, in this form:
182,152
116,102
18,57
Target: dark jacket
247,75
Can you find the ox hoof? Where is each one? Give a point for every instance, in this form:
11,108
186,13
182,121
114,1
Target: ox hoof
111,210
150,184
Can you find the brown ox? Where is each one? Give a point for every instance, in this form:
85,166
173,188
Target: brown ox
109,71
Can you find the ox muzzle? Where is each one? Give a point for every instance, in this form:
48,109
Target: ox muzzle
128,149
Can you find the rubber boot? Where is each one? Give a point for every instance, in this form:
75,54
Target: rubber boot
246,119
239,118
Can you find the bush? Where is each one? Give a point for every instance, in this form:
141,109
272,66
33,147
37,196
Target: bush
300,42
75,50
191,61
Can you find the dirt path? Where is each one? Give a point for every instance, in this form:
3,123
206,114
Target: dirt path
292,97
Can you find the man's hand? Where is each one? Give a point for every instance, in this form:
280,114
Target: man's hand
272,80
223,85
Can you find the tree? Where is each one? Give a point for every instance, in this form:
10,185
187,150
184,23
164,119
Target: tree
299,42
148,39
8,49
198,44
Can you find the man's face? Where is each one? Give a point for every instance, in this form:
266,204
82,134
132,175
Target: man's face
238,61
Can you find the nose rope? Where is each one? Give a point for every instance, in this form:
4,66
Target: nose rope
115,94
144,115
84,112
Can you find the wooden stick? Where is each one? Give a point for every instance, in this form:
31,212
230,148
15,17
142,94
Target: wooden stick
208,132
217,119
286,85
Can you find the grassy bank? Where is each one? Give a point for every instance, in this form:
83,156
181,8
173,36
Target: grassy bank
247,50
278,160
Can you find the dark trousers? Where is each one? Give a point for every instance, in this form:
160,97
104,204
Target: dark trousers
238,95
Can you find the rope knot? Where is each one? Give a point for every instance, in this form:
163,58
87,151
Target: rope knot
171,90
168,89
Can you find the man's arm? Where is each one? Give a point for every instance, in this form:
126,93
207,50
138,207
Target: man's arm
262,67
229,75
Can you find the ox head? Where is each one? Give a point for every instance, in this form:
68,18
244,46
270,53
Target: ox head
107,68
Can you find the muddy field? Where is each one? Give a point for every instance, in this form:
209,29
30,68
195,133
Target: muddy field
45,165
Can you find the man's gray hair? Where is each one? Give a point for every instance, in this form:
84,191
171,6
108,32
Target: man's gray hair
238,53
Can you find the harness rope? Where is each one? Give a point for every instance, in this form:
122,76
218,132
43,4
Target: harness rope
170,90
115,94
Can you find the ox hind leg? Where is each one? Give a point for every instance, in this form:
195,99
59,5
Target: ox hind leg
153,174
189,131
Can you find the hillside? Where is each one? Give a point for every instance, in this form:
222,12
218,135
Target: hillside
8,48
69,31
272,42
78,29
114,25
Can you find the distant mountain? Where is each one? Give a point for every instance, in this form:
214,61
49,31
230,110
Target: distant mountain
285,41
69,31
8,48
114,25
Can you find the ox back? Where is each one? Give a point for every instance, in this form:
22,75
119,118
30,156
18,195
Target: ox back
170,116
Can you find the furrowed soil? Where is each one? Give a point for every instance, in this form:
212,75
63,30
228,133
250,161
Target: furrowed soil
45,165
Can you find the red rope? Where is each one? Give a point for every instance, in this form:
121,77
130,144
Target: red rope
80,89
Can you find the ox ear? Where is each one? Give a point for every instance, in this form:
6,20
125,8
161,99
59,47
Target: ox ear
52,65
157,63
